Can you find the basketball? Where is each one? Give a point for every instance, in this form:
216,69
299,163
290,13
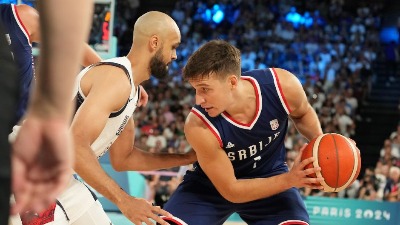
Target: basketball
338,158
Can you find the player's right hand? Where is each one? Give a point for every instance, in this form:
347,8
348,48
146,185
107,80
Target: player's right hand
299,176
139,211
42,158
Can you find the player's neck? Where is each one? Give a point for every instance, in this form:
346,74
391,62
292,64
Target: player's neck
244,107
139,65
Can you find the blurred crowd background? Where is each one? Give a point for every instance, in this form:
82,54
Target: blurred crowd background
342,53
337,50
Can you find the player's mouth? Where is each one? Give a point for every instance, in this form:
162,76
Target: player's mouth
207,108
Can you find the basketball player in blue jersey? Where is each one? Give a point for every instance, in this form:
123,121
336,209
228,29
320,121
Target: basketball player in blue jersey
8,102
107,95
22,26
237,129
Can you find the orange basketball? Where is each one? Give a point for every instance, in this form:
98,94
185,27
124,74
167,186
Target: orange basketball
338,158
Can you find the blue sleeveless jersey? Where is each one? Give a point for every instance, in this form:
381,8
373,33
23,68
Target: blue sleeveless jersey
18,39
255,149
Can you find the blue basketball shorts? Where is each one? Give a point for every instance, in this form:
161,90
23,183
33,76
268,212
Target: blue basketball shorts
197,202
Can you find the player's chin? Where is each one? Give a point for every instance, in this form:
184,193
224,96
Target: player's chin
213,113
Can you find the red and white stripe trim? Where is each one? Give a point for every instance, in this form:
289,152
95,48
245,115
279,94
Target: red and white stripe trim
209,125
250,125
279,91
20,23
293,222
174,220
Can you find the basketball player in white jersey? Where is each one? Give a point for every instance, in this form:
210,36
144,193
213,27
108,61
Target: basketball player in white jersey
107,95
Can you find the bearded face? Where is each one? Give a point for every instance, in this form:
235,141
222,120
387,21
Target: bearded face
158,68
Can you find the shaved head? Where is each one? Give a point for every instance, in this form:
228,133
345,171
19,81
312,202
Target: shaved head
156,37
154,23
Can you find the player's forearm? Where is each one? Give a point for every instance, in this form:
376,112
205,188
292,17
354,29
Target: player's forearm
246,190
308,125
140,160
88,167
62,34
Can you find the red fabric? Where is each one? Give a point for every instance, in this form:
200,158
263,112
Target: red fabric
46,216
298,222
148,129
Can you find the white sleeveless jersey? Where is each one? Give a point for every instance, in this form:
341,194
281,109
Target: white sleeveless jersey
77,200
117,120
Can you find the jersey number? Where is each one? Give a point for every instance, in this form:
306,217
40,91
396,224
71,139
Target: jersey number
256,159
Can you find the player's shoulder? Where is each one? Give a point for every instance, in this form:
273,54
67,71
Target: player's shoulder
263,76
286,79
194,119
256,72
117,65
281,72
22,8
119,60
199,132
123,61
291,90
29,17
27,14
109,75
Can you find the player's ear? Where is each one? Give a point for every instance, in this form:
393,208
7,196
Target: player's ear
154,42
233,80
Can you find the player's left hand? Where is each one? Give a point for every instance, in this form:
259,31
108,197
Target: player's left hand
143,98
298,175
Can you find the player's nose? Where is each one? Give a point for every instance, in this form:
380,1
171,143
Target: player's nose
174,55
199,100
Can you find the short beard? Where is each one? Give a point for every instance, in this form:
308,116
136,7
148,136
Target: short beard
157,67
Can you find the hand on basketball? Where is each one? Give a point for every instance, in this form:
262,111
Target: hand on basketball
139,211
144,97
41,162
300,176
